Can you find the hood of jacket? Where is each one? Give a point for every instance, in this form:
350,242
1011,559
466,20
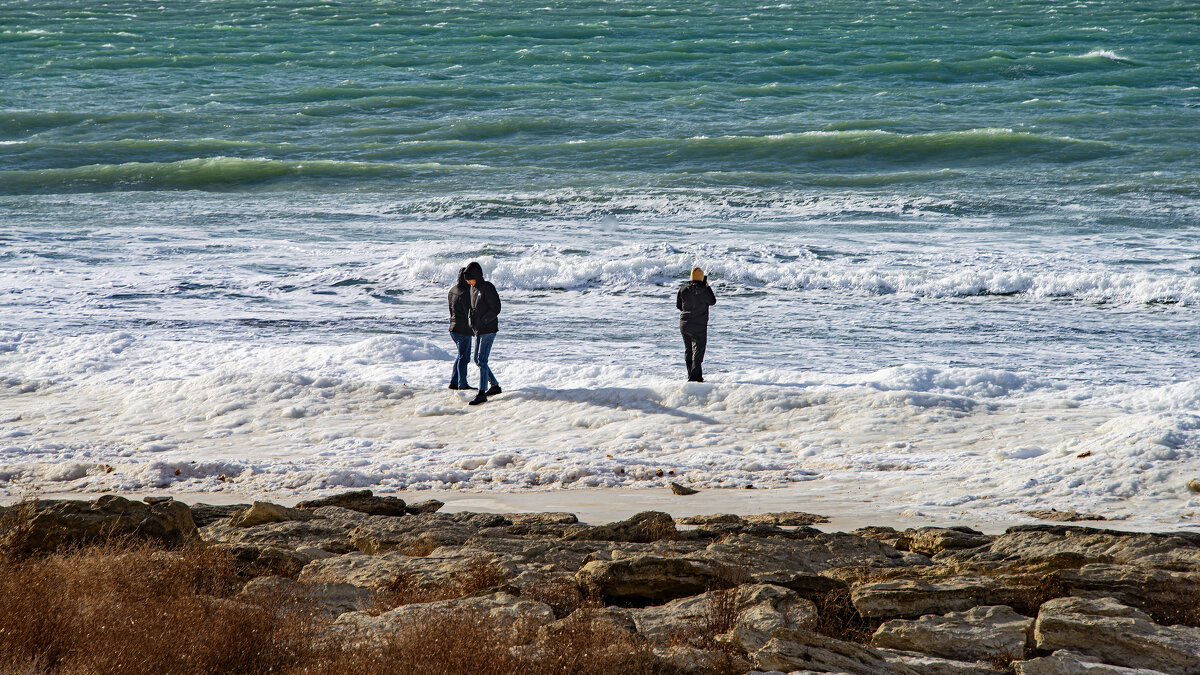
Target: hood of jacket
473,271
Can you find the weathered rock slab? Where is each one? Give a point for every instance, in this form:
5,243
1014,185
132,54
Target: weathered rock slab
918,597
1064,662
790,650
56,523
363,501
647,579
1117,634
977,634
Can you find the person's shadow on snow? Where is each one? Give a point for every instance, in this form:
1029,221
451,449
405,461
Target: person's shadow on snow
619,398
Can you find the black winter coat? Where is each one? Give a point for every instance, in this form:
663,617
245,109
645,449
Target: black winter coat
693,301
460,305
485,308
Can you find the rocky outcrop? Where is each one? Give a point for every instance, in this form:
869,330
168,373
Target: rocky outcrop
48,525
363,501
978,634
1117,634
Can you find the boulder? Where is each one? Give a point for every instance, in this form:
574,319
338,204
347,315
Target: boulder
263,513
427,506
682,490
644,527
1063,662
978,634
647,579
790,650
1117,634
751,612
917,597
1056,516
786,518
363,501
689,660
932,540
503,610
47,525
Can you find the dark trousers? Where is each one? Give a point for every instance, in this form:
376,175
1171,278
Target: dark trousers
458,376
483,349
694,342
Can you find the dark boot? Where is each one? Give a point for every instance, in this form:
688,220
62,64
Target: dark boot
479,398
495,389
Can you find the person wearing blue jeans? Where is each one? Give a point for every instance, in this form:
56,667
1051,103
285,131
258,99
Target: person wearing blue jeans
460,329
485,313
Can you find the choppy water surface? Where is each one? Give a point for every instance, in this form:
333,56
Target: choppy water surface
999,198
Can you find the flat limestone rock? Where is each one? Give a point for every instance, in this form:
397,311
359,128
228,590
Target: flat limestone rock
330,599
1069,516
207,514
813,554
1063,662
977,634
1117,634
543,518
791,650
372,572
317,533
363,501
647,579
933,665
504,610
1093,545
918,597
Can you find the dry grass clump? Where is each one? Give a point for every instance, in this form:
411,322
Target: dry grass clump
133,608
482,572
16,529
837,618
560,592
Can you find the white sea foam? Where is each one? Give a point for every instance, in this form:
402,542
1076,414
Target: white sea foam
121,411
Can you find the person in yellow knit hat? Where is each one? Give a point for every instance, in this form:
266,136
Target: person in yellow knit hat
693,301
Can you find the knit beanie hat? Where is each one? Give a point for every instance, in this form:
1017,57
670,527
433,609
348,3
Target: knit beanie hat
697,274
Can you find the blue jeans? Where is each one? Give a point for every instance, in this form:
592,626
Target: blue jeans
458,377
483,349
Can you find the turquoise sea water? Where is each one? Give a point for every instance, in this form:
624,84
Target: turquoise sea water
952,238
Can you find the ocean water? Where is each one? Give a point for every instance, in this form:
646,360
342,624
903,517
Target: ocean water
954,245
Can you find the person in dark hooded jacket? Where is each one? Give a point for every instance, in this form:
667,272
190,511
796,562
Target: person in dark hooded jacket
693,301
460,329
485,312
